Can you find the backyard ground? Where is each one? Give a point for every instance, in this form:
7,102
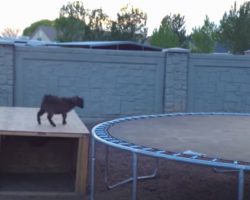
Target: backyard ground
174,181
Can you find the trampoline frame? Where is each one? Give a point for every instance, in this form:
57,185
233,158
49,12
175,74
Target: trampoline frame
100,133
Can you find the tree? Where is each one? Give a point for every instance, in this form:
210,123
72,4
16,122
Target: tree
74,10
177,24
234,28
203,39
130,25
75,23
171,33
10,33
164,37
99,24
29,30
71,24
70,29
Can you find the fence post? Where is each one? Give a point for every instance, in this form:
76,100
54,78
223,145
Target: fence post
176,80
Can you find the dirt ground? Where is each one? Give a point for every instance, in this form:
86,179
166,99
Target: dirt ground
174,180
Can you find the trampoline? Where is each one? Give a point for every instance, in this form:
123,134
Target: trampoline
219,140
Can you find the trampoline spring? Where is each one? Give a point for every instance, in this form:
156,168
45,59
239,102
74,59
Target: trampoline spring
105,137
124,143
135,146
160,152
100,128
116,141
194,157
109,139
147,148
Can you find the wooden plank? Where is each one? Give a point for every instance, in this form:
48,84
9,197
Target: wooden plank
19,120
82,165
40,134
45,193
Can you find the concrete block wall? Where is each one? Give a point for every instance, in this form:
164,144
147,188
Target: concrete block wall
123,83
219,83
6,74
113,83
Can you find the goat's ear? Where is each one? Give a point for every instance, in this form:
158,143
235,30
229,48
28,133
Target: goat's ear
75,99
80,98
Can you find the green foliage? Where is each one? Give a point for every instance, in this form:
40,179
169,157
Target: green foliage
164,38
71,25
235,28
203,39
130,25
177,25
99,24
78,24
70,29
29,30
74,10
75,23
171,33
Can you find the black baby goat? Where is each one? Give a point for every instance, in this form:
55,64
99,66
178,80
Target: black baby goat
58,105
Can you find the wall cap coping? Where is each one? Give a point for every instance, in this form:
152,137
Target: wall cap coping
247,52
176,50
6,42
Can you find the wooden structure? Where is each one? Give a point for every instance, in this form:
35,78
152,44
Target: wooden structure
20,121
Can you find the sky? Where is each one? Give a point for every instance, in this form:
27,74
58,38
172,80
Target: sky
19,14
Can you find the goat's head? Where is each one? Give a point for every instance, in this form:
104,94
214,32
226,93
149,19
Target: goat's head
79,101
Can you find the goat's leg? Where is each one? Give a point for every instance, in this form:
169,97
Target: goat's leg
50,119
64,115
39,114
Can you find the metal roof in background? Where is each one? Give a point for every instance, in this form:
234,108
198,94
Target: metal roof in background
112,45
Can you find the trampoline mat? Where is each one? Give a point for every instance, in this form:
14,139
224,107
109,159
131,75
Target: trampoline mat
218,136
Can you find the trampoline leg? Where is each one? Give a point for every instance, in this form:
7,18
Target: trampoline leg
241,185
92,178
128,180
1,143
106,171
134,174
